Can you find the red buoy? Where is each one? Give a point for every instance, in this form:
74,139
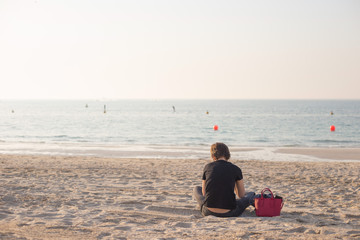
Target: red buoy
216,127
332,128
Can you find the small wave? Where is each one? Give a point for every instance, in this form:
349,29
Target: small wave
334,141
259,140
293,145
60,136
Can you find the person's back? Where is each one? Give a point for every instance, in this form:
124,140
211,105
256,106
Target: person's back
220,180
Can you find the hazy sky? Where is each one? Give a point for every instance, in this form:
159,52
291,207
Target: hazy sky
180,49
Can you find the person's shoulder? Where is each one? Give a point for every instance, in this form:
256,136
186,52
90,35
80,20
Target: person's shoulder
212,163
228,162
208,165
234,165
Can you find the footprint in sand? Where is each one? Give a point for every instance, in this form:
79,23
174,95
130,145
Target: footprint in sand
103,234
124,228
183,225
354,234
297,230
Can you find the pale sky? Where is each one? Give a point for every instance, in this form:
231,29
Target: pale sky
187,49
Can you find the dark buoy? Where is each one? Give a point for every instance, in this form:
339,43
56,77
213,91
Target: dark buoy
174,109
86,106
331,113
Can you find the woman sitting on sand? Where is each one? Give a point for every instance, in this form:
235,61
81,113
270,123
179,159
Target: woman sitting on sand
219,182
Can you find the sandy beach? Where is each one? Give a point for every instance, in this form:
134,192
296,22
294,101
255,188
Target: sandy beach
73,197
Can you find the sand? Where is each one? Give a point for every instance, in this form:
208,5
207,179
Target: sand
73,197
328,153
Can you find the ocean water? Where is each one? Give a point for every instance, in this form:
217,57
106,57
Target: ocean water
150,128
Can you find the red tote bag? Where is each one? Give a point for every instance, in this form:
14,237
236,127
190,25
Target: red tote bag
268,207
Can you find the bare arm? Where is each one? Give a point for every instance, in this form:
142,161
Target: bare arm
203,187
239,188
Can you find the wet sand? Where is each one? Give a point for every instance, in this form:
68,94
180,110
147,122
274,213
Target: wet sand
73,197
325,153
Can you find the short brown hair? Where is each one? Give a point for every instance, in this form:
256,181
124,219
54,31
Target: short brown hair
219,150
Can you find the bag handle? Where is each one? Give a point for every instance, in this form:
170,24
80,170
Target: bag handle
264,190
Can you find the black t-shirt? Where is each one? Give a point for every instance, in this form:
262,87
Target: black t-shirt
220,177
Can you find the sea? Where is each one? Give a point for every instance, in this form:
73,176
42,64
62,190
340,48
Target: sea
254,129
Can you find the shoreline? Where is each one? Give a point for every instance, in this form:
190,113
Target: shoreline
324,153
84,197
315,154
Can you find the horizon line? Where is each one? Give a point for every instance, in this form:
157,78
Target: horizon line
177,99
